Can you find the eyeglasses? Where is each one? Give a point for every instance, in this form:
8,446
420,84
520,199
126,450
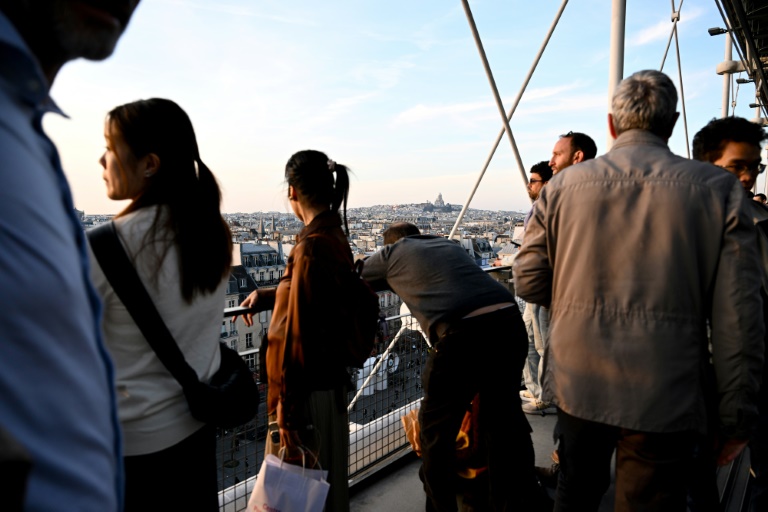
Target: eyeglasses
742,168
537,181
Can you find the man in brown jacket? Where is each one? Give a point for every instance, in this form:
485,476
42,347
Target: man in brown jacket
637,254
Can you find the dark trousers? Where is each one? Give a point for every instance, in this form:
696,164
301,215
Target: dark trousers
652,469
484,355
758,451
182,477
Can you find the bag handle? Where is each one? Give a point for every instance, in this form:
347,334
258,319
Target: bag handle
303,449
122,275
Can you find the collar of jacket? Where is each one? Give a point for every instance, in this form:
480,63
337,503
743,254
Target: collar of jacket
759,211
635,137
321,222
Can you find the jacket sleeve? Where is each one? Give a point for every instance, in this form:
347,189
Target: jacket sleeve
293,389
267,298
375,269
737,321
531,270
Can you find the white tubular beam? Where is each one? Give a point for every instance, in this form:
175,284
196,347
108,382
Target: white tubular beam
682,90
616,65
509,116
727,77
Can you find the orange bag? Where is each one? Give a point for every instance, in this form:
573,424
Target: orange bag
469,456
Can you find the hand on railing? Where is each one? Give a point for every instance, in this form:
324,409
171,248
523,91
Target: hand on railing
250,306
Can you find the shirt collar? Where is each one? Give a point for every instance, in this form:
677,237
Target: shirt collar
21,71
634,137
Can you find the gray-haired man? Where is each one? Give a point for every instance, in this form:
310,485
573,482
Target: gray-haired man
653,247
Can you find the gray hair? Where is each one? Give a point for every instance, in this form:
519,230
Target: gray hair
647,100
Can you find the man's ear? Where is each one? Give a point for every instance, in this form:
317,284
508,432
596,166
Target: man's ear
578,156
611,127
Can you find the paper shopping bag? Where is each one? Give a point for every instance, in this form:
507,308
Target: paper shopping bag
283,487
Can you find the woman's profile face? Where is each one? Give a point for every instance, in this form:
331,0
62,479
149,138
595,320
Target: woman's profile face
121,174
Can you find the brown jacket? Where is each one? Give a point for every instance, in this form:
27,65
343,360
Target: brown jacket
303,354
637,250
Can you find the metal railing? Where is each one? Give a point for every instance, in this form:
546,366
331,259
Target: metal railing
386,388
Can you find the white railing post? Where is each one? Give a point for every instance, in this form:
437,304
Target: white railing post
616,60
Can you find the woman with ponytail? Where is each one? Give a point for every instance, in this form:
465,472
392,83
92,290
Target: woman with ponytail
307,379
175,236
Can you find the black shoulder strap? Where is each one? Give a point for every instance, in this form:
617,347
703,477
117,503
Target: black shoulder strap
124,279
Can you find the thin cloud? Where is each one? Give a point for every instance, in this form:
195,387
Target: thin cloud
570,103
421,112
541,93
244,11
661,30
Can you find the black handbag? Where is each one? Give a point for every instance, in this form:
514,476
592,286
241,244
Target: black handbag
231,398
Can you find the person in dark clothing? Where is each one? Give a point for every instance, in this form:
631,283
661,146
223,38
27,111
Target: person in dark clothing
734,143
478,339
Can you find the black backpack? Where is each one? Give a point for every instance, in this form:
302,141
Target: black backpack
359,309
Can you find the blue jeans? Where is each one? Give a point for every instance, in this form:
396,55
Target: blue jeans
541,322
531,369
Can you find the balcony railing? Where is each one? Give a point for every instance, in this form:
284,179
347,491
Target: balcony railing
386,388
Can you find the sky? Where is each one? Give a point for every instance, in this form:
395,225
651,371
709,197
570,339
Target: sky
394,90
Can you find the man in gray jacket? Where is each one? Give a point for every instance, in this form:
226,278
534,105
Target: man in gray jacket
639,254
478,340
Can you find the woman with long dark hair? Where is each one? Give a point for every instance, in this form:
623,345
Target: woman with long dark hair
307,379
176,238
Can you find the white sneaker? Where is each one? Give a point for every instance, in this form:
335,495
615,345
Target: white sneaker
526,396
539,407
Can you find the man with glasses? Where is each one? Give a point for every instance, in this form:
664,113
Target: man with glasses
734,144
540,175
570,149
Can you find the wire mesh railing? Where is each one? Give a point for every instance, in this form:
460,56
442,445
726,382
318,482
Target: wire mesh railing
385,389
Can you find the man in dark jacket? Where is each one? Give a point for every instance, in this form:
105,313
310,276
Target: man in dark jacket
734,144
478,340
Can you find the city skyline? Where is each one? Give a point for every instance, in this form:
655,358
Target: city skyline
396,91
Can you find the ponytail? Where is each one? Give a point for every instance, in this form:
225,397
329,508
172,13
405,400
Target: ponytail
312,173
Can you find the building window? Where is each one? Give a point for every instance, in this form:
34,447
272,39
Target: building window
250,360
233,344
249,340
242,283
271,275
230,303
